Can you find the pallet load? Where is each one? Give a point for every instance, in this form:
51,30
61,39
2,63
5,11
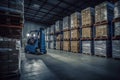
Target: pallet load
66,23
75,20
66,33
116,32
87,31
75,32
59,34
103,20
11,24
58,26
75,46
66,45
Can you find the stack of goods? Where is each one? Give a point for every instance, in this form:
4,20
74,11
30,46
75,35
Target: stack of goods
75,32
52,29
103,18
75,20
66,33
87,30
9,57
58,26
116,32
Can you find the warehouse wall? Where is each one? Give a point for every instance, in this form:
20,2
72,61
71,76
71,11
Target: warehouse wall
28,26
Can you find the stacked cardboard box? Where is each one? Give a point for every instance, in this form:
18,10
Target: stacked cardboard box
66,23
75,47
86,32
59,45
75,20
58,26
75,34
66,35
116,48
9,57
86,47
104,12
117,10
66,45
101,31
117,29
87,16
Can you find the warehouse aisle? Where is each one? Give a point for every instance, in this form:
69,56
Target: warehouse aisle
60,65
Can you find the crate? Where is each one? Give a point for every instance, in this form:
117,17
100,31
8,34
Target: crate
66,23
116,48
75,34
116,29
66,35
87,47
103,48
104,12
58,26
87,32
117,10
88,16
75,46
102,31
66,45
75,20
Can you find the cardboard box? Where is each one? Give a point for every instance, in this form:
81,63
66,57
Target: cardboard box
75,20
87,16
66,45
86,32
66,22
75,46
101,31
66,34
75,34
58,26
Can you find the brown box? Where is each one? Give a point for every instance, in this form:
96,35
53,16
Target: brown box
101,31
87,16
66,34
75,34
66,45
86,32
75,20
75,46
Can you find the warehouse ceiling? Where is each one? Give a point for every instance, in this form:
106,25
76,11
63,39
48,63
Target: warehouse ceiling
49,11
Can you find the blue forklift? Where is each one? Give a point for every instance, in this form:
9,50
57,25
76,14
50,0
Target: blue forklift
36,42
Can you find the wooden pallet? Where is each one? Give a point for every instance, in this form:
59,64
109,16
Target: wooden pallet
87,53
75,28
87,38
75,39
116,38
66,39
99,55
66,30
101,38
101,23
116,20
86,25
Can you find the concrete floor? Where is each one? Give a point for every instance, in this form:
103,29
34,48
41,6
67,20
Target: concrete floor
60,65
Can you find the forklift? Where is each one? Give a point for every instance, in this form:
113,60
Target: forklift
36,42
